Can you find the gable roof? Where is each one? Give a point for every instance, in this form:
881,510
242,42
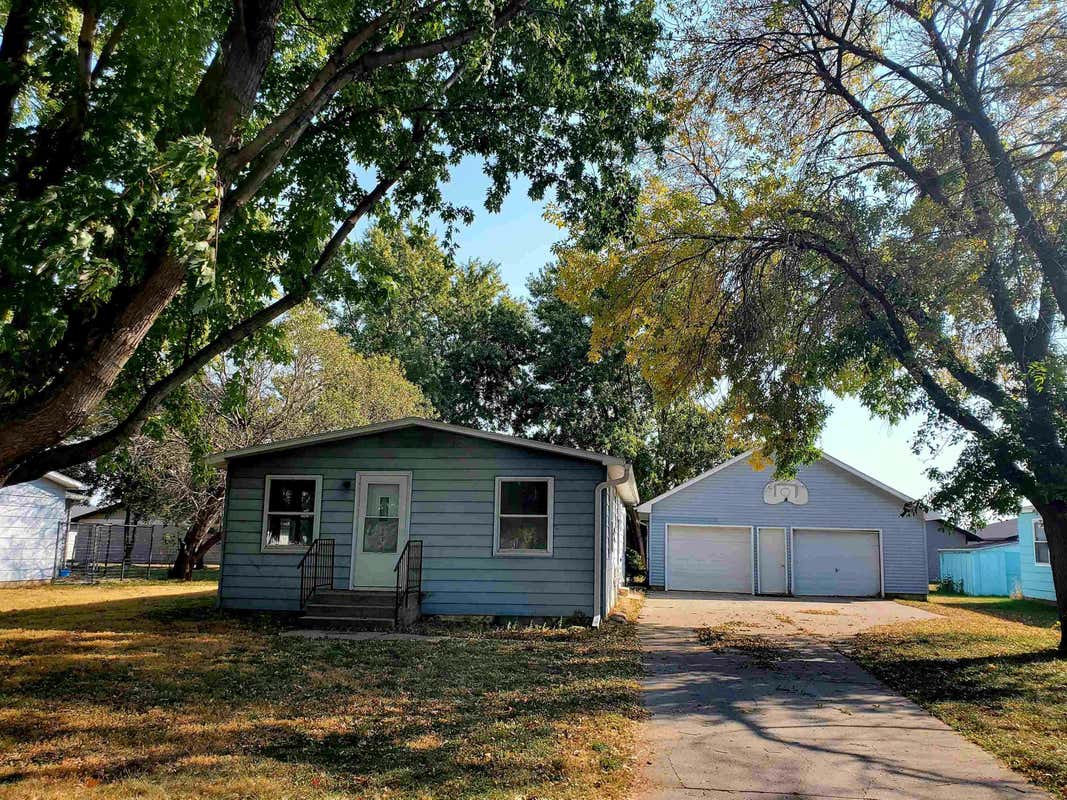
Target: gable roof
419,422
65,481
646,506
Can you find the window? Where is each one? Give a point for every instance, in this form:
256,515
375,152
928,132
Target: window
1041,555
381,521
291,511
523,516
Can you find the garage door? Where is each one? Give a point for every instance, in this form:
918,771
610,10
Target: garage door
709,558
836,563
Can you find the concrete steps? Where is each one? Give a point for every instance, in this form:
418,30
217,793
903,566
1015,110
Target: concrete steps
339,608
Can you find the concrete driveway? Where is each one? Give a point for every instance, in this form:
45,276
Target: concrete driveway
784,715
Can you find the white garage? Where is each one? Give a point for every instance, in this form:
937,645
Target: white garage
836,563
710,558
831,531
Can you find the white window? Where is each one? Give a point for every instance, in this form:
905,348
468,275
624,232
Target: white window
1041,555
523,517
291,511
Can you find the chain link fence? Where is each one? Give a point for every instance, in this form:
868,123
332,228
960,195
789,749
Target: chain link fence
87,552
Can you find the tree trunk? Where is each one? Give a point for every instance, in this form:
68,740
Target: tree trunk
203,533
1054,518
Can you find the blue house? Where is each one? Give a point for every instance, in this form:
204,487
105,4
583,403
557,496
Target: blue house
1034,565
832,531
350,525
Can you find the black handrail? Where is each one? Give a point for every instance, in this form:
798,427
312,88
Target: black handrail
316,569
408,571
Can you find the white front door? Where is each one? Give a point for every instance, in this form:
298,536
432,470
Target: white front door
709,558
381,527
772,577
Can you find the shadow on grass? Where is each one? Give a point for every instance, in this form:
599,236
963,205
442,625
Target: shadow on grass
169,690
1026,612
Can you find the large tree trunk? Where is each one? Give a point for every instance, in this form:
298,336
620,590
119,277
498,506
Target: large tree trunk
1054,517
203,534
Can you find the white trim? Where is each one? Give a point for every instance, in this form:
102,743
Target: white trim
881,551
412,422
1033,542
752,557
758,558
496,516
316,515
646,507
403,479
65,481
977,547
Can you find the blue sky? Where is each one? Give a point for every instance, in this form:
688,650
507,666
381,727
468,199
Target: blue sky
520,240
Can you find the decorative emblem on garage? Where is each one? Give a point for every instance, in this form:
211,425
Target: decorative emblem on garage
792,491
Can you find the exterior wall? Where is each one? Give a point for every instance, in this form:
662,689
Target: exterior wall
452,512
983,571
30,516
837,499
614,548
940,536
1036,578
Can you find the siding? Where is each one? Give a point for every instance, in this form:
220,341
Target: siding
940,537
837,499
1036,578
30,515
991,571
452,512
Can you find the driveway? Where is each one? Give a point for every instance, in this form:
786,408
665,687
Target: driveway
766,708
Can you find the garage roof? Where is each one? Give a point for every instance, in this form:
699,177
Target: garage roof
646,506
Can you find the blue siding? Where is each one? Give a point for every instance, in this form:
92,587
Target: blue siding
837,499
452,512
983,571
1036,578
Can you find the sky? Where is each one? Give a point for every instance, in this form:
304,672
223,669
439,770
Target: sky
520,240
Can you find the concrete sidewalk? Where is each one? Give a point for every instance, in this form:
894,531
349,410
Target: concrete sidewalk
799,721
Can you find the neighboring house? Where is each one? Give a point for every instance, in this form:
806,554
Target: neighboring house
33,517
943,535
509,526
1034,565
1005,530
988,570
834,531
110,535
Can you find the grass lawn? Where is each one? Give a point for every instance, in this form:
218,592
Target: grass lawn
986,666
146,691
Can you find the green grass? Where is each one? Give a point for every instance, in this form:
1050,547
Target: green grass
117,690
987,666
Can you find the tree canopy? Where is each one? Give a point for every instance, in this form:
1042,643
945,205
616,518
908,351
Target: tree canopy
175,176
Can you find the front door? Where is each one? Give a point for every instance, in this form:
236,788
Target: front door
381,527
772,558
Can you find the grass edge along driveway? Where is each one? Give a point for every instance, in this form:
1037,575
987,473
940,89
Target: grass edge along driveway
987,667
148,691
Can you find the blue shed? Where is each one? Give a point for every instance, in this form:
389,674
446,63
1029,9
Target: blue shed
992,570
1034,565
487,524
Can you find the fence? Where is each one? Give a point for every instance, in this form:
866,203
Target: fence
91,551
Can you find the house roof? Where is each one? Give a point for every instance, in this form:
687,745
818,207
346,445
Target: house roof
65,481
630,490
646,506
84,511
1003,530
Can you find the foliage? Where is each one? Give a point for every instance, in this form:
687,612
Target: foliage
200,704
176,176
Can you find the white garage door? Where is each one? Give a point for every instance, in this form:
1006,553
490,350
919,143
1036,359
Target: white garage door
709,558
836,563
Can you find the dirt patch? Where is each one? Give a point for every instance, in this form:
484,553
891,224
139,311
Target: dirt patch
734,636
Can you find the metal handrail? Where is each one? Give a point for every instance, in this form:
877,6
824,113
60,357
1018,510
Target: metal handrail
408,571
316,569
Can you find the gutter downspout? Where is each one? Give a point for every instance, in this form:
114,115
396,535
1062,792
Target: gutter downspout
598,539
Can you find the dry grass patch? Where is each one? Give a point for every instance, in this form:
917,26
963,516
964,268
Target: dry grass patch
824,612
734,635
148,691
987,667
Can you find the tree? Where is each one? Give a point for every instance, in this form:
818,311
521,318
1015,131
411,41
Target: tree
867,198
175,176
454,328
313,382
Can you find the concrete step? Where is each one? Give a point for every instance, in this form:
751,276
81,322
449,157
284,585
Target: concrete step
354,596
315,621
375,611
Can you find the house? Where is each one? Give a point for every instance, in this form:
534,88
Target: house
1035,567
507,526
832,531
983,571
943,535
33,517
1005,530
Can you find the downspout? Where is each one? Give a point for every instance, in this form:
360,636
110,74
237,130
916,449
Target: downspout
598,539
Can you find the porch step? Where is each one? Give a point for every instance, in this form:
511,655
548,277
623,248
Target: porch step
368,610
338,608
354,596
313,621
